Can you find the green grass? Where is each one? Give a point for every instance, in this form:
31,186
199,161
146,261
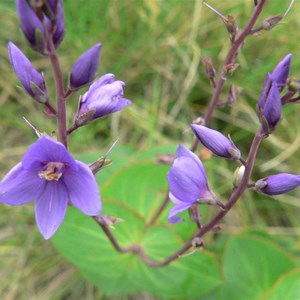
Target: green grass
155,47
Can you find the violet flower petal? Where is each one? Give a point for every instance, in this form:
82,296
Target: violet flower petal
20,187
178,208
281,71
85,68
26,73
278,184
187,182
45,150
51,208
215,141
83,189
105,96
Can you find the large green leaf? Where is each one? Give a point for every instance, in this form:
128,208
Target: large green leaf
251,266
287,287
132,194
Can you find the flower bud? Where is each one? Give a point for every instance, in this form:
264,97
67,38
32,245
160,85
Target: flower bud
31,25
281,71
58,23
209,67
238,176
32,81
85,68
269,105
231,25
271,22
103,97
41,21
293,85
216,142
278,184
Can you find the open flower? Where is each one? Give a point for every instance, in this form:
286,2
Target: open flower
51,177
278,184
105,96
187,183
32,81
216,142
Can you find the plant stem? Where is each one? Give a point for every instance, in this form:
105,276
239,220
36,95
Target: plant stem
60,100
233,52
236,194
218,89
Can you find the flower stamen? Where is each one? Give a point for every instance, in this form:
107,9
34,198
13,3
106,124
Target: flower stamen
53,171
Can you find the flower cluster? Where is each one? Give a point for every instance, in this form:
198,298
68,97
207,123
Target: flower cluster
47,173
187,178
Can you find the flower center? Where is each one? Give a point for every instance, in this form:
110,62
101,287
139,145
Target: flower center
52,171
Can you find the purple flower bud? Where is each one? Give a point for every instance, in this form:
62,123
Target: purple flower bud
216,142
59,24
278,184
269,105
103,97
85,68
31,25
50,8
187,183
281,71
32,81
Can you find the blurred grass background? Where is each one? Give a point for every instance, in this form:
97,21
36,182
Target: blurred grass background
155,47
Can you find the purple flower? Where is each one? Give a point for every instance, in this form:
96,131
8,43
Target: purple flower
269,105
216,142
281,71
278,184
187,183
32,81
85,68
51,177
103,97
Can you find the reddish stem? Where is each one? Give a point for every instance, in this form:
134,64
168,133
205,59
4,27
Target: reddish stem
60,100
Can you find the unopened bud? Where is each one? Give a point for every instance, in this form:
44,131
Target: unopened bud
271,22
293,85
108,220
99,164
238,176
209,68
215,141
231,25
278,184
229,69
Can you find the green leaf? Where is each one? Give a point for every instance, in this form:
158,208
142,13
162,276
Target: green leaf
251,266
287,287
133,194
